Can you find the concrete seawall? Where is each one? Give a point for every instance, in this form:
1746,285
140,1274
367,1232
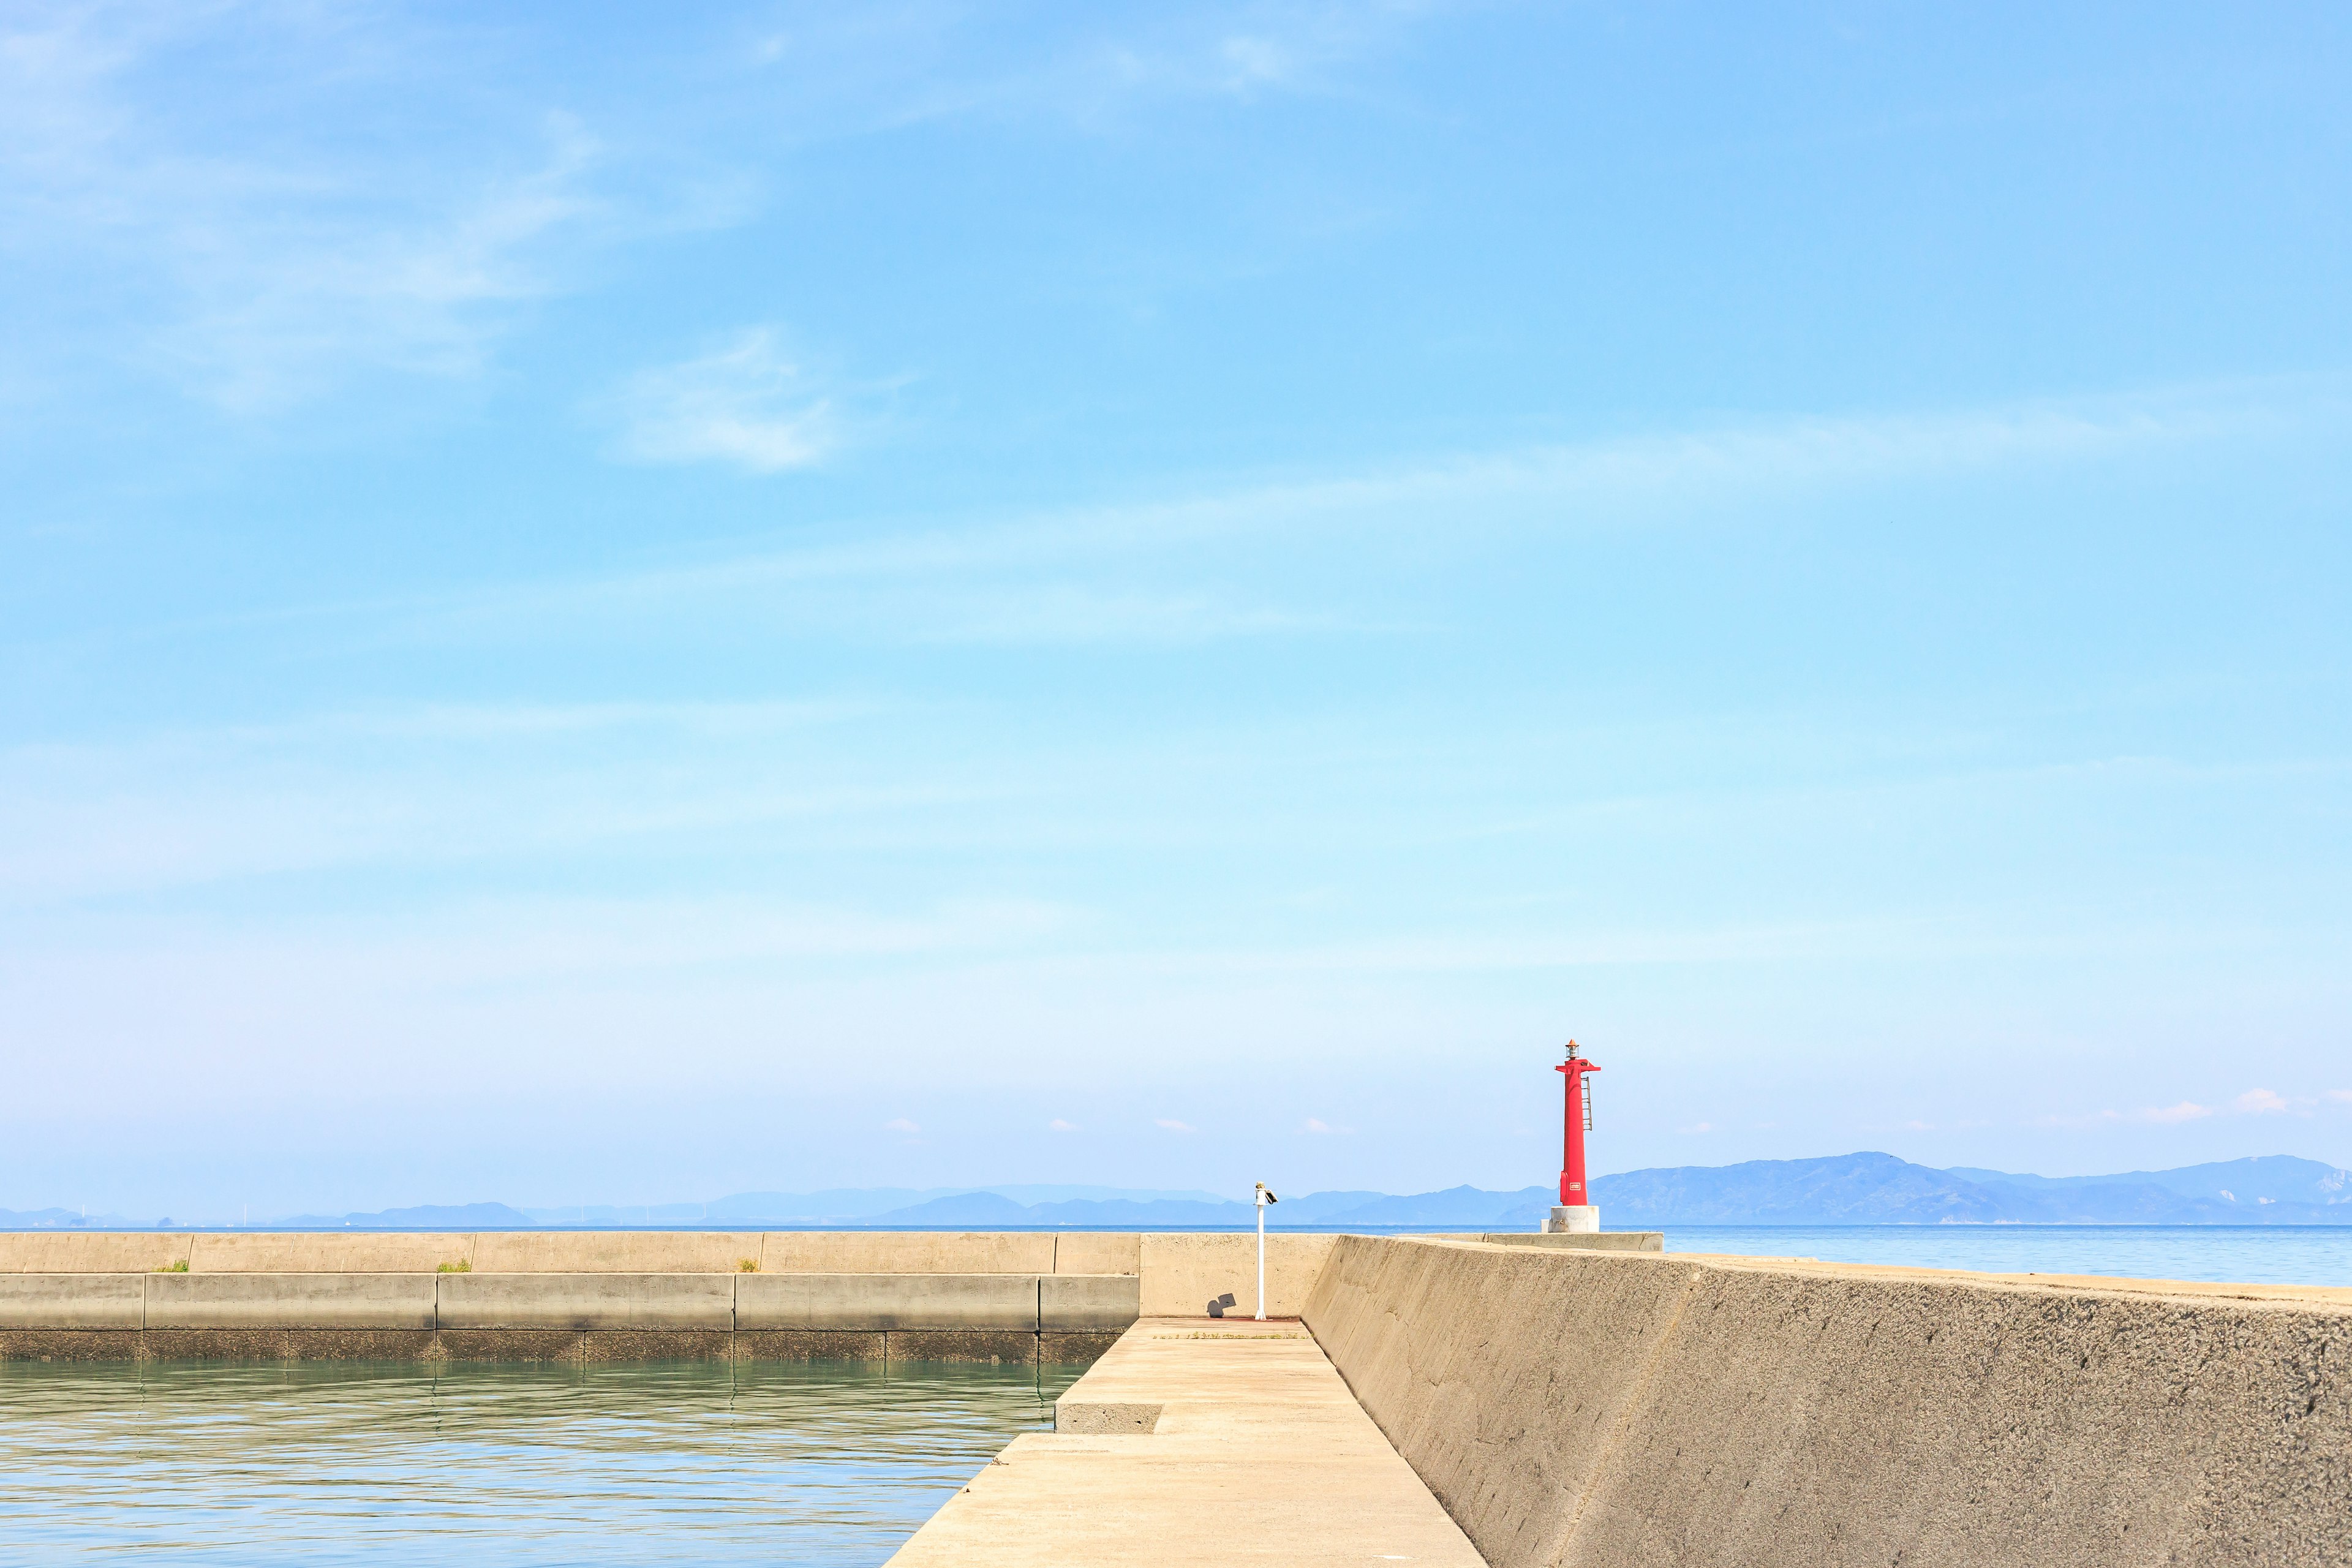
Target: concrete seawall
1582,1408
549,1316
986,1296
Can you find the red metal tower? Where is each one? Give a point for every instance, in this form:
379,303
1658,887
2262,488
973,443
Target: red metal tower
1577,1122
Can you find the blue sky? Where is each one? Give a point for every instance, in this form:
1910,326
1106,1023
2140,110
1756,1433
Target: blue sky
615,605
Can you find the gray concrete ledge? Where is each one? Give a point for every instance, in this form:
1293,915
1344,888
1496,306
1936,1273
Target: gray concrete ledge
544,1316
993,1302
73,1300
586,1301
290,1301
1578,1240
1106,1303
991,1347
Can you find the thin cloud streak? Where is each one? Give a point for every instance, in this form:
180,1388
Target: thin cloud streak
954,585
951,585
276,263
746,405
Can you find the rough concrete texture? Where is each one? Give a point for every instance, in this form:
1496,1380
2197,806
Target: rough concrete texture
886,1302
1572,1407
73,1300
1097,1252
905,1252
508,1345
289,1301
610,1345
587,1300
1101,1416
90,1252
1183,1272
994,1347
575,1252
69,1344
362,1344
809,1344
1074,1349
214,1344
1258,1456
1578,1240
1088,1302
1001,1316
613,1252
326,1253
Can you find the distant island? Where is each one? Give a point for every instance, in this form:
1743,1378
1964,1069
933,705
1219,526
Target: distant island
1839,1189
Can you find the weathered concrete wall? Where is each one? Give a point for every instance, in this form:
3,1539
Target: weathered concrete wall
243,1300
1183,1272
278,1252
887,1302
907,1252
577,1252
98,1252
587,1302
1578,1240
1571,1407
613,1252
73,1302
530,1316
961,1295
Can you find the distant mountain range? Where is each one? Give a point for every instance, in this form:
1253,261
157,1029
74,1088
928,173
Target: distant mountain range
1879,1189
1841,1189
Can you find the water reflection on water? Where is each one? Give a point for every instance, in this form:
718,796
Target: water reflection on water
823,1463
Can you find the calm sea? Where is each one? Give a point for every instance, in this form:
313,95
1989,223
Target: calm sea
2252,1255
323,1463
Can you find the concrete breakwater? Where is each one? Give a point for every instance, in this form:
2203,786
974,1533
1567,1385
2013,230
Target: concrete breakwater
1576,1408
1595,1404
616,1295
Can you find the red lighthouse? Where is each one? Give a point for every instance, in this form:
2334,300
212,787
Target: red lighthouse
1575,1123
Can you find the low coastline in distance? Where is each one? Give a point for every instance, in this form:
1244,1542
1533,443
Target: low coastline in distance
1857,1189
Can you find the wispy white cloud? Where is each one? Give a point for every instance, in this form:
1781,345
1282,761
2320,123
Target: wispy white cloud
2253,1102
871,67
1173,1125
745,403
2150,1115
1132,572
900,1124
268,260
1058,1125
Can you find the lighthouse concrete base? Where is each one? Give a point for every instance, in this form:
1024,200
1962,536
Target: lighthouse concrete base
1572,1219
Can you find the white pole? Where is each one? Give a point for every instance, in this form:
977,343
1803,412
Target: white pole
1261,1252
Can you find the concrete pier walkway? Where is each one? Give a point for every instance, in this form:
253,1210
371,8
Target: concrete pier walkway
1197,1441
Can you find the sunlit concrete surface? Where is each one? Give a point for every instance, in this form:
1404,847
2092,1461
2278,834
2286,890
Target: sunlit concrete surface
1199,1441
1629,1410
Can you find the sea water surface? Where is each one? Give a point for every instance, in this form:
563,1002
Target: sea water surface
320,1462
2229,1254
